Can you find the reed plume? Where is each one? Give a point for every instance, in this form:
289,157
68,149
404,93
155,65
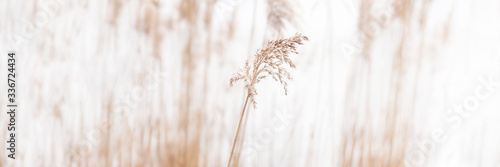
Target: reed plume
271,61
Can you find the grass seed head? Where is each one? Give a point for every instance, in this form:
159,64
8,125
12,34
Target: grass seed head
270,61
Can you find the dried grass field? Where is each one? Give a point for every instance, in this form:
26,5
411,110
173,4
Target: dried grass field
119,83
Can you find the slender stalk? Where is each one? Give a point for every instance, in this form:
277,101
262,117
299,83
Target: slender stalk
238,131
269,62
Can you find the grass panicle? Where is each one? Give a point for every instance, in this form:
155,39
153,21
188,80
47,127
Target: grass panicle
270,61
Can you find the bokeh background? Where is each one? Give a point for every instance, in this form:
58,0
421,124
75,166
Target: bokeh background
146,83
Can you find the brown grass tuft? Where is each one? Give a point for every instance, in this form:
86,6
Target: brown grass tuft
269,61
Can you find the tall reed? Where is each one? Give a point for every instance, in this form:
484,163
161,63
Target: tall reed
269,61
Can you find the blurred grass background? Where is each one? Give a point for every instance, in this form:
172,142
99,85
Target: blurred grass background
146,83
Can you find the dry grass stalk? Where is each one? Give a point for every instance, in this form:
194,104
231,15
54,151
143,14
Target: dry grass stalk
269,61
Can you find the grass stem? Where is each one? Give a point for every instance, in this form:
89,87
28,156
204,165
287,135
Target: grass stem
238,131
